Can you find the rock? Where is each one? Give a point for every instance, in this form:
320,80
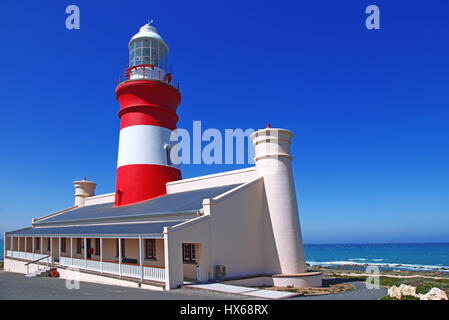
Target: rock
434,294
395,292
408,290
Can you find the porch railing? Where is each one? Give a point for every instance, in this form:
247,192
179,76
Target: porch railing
124,269
26,255
154,273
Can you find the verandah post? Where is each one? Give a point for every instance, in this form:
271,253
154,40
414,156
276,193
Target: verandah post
120,257
141,258
71,251
51,248
59,251
85,253
101,255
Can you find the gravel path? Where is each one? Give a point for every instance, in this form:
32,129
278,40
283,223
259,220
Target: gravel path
361,292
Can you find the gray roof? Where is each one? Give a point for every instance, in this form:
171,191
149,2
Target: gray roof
181,202
130,229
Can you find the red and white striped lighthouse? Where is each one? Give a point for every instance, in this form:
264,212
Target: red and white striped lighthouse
148,101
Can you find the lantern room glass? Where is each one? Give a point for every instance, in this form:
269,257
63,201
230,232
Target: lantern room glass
148,51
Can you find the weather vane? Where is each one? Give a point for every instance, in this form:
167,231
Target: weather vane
150,21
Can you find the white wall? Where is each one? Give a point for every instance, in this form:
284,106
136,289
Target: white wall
212,180
102,198
235,232
238,230
193,231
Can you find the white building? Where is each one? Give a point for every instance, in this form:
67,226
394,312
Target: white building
158,230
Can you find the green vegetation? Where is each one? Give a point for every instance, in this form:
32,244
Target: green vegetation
423,285
1,265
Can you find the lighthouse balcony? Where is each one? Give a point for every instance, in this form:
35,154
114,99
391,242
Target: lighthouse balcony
148,72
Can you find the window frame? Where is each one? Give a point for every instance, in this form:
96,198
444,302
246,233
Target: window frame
37,244
79,248
189,252
97,247
63,245
150,245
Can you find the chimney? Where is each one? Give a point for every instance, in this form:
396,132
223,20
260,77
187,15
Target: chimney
83,189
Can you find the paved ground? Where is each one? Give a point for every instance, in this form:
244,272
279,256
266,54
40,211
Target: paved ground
17,286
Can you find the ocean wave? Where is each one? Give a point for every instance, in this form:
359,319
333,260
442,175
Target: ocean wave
350,262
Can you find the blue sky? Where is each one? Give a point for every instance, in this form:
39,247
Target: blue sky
369,109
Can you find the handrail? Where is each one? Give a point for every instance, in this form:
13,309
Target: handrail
37,260
148,72
28,264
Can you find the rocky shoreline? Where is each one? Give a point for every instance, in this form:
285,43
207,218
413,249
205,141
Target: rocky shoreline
396,269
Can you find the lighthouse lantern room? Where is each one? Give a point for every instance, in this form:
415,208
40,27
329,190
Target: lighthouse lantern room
148,102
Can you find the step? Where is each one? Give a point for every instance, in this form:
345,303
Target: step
38,273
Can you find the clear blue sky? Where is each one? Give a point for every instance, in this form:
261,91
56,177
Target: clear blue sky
369,109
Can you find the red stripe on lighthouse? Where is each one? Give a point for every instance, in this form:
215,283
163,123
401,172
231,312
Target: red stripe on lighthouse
139,182
147,115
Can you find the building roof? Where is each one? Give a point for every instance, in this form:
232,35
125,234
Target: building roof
148,31
153,229
170,204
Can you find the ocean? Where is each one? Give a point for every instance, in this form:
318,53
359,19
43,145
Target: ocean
411,256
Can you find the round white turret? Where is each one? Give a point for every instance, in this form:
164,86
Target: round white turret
83,190
273,163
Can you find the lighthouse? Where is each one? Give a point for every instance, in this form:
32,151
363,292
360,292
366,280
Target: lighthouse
148,98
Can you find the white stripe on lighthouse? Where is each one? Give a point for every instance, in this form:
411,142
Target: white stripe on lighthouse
144,144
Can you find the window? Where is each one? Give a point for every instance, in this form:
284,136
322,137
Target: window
48,244
97,247
37,243
189,252
78,245
150,248
62,244
123,248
